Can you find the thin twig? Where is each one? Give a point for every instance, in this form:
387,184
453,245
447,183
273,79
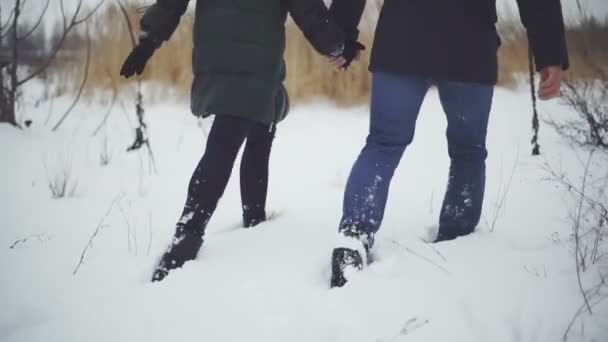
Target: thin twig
100,226
433,248
107,115
580,310
85,78
420,256
579,258
37,23
505,193
39,237
128,223
128,21
67,28
150,231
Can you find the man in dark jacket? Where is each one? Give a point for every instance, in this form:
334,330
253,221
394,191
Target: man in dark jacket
238,73
453,44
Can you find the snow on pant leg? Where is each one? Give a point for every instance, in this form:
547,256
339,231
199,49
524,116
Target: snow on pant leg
395,104
467,107
254,173
211,176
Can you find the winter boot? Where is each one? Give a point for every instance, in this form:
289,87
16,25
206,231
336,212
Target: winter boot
353,254
252,218
183,248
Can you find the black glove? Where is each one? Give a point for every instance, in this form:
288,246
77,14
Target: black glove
350,52
137,59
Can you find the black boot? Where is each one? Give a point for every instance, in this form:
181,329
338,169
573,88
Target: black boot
251,220
345,257
341,259
183,248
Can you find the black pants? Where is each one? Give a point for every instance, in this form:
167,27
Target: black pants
211,176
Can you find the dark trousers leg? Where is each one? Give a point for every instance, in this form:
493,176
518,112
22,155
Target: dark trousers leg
254,173
211,175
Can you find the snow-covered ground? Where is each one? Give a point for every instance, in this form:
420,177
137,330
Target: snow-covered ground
515,283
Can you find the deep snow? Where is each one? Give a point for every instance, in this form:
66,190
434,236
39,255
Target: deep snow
517,283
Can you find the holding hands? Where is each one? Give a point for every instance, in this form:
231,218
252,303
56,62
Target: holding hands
352,51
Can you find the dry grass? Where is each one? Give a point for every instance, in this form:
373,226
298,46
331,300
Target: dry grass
587,48
309,75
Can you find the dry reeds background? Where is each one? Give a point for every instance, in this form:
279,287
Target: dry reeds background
309,75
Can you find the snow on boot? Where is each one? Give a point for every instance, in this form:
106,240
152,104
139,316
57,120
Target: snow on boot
353,254
251,221
183,248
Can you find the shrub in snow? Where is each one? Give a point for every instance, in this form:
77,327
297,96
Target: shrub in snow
61,180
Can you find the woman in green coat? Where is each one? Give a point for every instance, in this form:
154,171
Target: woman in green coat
238,73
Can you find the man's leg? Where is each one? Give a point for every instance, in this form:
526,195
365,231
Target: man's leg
254,173
206,186
395,104
467,106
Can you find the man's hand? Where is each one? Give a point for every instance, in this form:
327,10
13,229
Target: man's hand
352,51
550,82
137,59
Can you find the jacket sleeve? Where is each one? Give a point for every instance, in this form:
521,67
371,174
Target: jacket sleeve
544,23
160,20
347,13
322,31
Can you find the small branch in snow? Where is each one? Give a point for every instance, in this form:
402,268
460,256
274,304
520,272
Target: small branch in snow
150,231
100,226
109,111
433,248
409,326
40,237
579,258
420,256
581,310
503,198
130,238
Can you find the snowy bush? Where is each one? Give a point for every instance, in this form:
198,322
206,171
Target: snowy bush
589,99
105,153
588,242
61,179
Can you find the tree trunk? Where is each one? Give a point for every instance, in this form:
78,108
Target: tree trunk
8,78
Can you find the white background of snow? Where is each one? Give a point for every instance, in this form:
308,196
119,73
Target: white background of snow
271,283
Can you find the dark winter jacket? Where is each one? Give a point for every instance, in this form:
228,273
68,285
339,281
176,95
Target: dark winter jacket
457,39
238,48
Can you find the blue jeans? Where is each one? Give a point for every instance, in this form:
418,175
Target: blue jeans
395,104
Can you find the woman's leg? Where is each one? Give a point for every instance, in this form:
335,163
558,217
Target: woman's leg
206,186
254,173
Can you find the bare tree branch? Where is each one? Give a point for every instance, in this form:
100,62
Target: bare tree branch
67,28
8,21
37,22
85,77
129,23
90,14
63,15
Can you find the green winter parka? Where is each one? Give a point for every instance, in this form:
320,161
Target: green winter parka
237,57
